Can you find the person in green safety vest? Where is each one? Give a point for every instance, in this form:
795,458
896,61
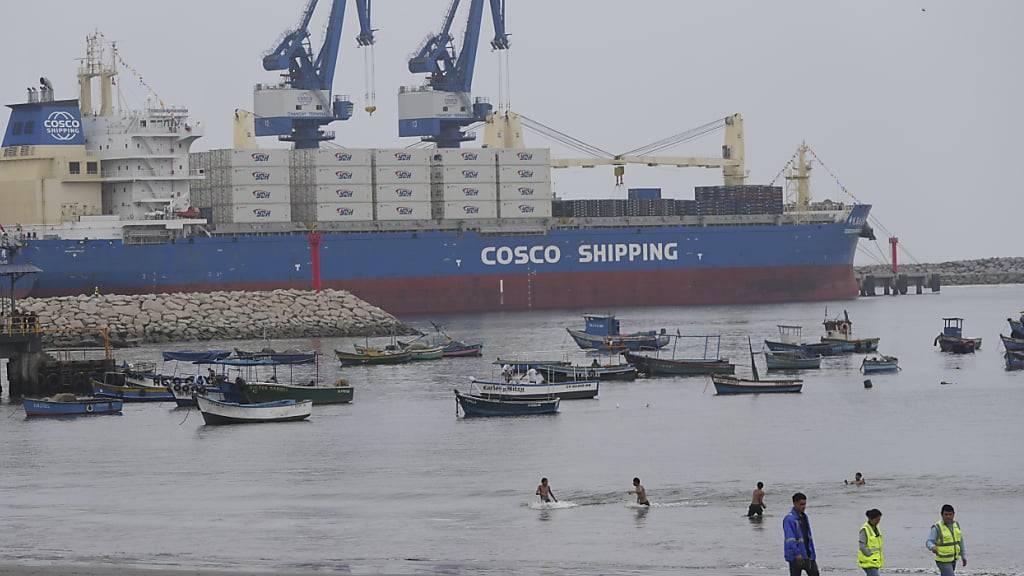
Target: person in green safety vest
947,542
869,545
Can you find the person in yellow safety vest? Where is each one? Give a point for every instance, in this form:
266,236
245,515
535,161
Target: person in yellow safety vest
947,542
869,551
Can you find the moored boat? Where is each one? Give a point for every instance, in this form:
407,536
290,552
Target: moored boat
262,392
114,386
791,361
726,384
1014,360
70,405
839,331
952,340
656,365
517,364
372,356
1012,344
563,373
435,353
216,412
452,348
790,341
523,390
880,364
1017,327
473,405
601,332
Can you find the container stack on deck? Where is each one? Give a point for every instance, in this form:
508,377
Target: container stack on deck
402,184
332,185
465,184
728,200
524,183
248,186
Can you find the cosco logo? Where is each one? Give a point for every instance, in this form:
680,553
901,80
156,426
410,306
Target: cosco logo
63,126
470,156
524,156
261,213
525,173
342,157
471,209
403,156
343,193
505,255
345,211
404,210
403,193
260,157
261,176
343,175
261,194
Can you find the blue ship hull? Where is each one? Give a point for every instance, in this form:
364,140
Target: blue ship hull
408,272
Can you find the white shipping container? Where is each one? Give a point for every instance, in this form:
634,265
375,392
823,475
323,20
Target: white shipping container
248,213
525,209
344,193
464,156
474,192
344,212
403,174
273,194
466,210
401,157
259,176
403,211
460,174
525,157
403,192
248,158
344,157
344,175
517,174
525,191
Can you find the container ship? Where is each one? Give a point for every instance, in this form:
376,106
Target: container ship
114,201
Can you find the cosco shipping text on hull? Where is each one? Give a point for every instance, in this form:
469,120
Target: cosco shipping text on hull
450,271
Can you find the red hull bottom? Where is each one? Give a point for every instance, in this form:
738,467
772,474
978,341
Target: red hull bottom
487,293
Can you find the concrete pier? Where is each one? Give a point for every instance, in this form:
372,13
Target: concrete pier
897,284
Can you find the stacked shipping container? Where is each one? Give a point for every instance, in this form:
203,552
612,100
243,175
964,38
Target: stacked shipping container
465,184
332,185
248,186
402,179
524,183
727,200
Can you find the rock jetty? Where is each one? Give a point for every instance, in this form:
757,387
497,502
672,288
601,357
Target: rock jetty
964,272
152,318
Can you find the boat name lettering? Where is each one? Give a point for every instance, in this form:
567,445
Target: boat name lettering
260,176
261,194
404,210
61,125
858,221
260,157
499,388
344,193
632,252
505,255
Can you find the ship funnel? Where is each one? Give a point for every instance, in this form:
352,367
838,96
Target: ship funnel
45,89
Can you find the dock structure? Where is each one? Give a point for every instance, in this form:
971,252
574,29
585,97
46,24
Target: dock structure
897,284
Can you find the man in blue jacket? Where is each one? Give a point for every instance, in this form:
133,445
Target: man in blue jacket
799,542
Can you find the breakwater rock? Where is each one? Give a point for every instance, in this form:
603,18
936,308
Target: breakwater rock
964,272
211,316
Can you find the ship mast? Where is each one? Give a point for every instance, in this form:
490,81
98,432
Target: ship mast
93,66
798,180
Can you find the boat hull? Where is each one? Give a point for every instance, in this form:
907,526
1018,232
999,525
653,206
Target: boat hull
791,361
652,366
1014,360
473,406
725,386
600,373
955,345
355,359
1012,344
575,390
217,413
259,392
858,345
132,393
633,342
80,407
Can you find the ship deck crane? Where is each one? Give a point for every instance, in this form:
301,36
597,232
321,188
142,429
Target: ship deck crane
439,110
296,109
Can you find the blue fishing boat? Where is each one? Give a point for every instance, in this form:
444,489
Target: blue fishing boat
1012,344
473,405
1014,360
601,332
790,341
70,405
791,360
198,356
880,365
114,385
952,340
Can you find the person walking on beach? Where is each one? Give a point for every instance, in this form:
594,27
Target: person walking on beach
757,502
799,546
544,491
947,542
869,545
641,493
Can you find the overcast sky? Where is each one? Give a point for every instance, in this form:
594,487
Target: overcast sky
914,105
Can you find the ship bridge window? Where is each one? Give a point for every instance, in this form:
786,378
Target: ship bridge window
298,106
319,107
74,167
16,129
143,122
30,127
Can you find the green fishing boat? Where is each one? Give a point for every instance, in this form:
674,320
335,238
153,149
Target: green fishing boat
259,392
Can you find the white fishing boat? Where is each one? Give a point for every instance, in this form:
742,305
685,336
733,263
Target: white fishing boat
515,389
216,412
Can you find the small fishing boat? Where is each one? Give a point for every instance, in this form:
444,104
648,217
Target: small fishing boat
1017,326
1014,360
435,353
262,392
880,365
70,405
726,385
1012,344
839,331
952,340
279,357
460,349
185,390
452,348
478,406
601,332
791,361
790,341
216,412
517,364
372,356
114,385
655,365
562,373
194,355
520,389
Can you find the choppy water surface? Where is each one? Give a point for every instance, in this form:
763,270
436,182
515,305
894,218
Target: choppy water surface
396,483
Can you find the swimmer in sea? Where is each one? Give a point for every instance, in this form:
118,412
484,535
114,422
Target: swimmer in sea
858,480
641,493
544,491
757,502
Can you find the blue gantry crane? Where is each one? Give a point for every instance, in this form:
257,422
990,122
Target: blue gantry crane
439,110
297,108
